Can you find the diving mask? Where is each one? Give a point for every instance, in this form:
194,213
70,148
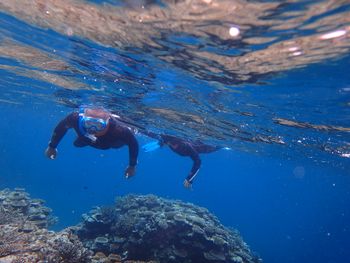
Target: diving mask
93,125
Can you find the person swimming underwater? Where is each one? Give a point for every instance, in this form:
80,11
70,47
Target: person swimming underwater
98,128
182,147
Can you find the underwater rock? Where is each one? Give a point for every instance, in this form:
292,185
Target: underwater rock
153,228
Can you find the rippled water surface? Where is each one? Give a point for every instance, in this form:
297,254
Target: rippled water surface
270,78
238,73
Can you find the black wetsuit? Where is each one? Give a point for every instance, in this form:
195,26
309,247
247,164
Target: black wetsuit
116,136
186,148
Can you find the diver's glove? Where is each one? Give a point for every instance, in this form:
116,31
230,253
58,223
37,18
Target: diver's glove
51,152
151,146
130,171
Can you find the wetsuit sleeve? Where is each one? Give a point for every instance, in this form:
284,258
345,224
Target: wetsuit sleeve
133,145
196,165
70,121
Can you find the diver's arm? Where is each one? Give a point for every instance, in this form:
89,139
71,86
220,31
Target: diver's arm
130,140
69,122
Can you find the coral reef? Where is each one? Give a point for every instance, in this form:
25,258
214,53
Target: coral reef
17,207
152,228
142,228
40,245
24,237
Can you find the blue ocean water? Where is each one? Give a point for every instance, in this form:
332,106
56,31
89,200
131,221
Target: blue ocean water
285,183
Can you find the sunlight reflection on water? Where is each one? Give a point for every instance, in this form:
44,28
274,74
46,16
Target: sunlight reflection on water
185,67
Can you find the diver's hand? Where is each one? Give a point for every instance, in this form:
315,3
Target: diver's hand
187,184
51,153
130,171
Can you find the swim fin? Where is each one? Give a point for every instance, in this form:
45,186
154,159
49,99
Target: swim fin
151,146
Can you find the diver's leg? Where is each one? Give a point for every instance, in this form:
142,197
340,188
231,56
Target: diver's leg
80,142
207,148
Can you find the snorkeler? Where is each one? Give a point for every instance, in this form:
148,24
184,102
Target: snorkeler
98,128
184,148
